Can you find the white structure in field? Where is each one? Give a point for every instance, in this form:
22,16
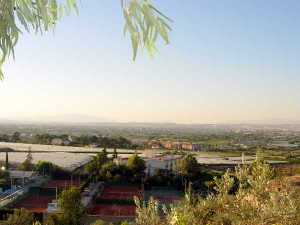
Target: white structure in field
57,141
52,207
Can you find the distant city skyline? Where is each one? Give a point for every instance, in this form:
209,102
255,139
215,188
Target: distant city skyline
231,61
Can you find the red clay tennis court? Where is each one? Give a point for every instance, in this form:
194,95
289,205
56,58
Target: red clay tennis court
62,184
35,203
112,210
118,193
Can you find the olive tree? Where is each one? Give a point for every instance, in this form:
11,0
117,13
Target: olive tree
261,199
20,217
143,22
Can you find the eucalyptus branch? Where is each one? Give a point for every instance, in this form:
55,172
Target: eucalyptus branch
143,22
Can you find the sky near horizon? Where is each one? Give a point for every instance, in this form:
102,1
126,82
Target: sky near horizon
228,61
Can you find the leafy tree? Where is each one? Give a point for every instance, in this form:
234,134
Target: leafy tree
71,206
123,171
54,219
102,157
188,167
20,217
94,167
143,22
224,185
45,168
136,164
147,213
107,170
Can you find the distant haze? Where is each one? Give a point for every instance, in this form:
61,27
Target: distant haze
73,118
85,119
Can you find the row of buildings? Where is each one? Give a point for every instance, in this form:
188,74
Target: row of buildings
174,145
189,146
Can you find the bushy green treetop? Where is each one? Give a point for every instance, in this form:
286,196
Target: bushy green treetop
71,206
136,164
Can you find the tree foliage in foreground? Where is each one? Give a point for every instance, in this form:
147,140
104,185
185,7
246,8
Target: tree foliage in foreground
144,22
71,207
20,217
259,200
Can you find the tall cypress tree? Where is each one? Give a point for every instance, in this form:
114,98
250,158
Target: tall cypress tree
115,154
6,162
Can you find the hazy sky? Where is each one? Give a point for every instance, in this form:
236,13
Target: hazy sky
228,61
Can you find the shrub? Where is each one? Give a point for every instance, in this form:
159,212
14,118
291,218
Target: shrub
20,217
259,200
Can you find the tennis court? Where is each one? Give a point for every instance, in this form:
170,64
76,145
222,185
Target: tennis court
35,203
120,193
113,202
112,210
63,184
164,195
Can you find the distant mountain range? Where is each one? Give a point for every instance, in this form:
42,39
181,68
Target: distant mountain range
65,119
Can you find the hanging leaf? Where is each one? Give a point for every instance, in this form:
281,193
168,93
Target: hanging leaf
143,20
28,15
